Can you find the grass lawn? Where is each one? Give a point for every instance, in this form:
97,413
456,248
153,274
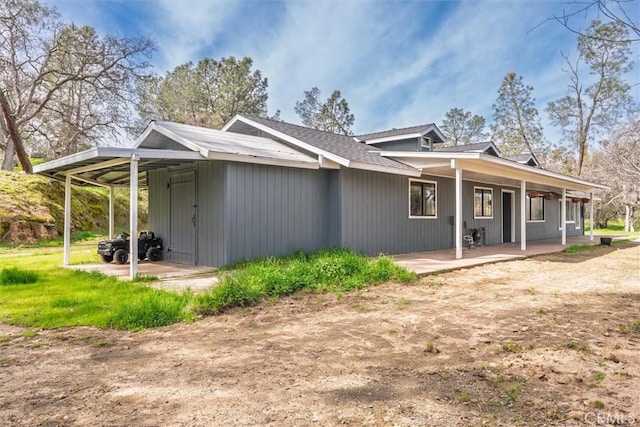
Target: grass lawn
36,292
60,297
614,227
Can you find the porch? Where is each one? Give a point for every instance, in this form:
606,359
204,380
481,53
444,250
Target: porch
424,263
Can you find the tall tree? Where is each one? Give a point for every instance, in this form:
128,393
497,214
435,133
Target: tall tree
333,115
207,94
61,82
621,12
461,127
587,110
517,128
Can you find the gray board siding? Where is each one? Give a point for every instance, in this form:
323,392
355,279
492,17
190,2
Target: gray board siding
411,144
211,213
249,211
273,211
375,214
550,227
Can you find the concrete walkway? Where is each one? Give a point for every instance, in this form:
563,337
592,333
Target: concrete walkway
429,262
171,276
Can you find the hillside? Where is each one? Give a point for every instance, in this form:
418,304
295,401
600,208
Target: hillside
32,208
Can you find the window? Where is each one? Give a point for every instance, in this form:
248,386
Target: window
571,211
535,208
422,199
482,202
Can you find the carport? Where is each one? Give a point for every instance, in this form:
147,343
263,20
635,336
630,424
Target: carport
112,168
162,145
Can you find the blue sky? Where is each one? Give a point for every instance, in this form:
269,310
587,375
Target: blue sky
398,63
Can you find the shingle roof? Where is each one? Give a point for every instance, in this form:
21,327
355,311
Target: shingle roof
340,145
393,132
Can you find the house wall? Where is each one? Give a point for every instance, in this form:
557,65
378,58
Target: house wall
212,247
375,214
273,211
550,227
249,211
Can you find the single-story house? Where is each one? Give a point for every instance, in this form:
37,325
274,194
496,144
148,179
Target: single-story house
263,187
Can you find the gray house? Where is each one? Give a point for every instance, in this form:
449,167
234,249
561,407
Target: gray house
263,187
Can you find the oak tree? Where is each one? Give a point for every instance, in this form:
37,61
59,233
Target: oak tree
62,87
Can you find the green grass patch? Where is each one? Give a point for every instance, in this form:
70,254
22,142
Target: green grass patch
16,276
575,249
43,295
335,270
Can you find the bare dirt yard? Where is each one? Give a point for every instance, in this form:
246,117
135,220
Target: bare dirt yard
550,340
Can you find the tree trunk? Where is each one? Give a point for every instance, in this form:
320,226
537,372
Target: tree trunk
14,140
9,152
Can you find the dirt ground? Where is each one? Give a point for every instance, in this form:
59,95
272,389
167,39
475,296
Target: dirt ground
543,341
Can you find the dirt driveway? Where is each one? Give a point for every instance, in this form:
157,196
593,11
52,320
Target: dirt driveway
543,341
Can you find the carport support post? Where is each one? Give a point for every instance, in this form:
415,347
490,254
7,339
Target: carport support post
111,211
458,219
523,215
591,225
563,216
133,217
67,220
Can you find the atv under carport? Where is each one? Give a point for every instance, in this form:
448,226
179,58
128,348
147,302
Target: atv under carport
149,247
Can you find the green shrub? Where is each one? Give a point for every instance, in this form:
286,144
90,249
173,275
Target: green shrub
15,276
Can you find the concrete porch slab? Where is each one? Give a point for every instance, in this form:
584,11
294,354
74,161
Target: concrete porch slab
429,262
171,276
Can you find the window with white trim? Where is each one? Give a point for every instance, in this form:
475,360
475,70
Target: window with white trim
482,202
535,208
422,199
573,212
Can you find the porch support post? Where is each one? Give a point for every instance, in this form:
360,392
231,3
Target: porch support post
133,217
67,220
563,216
458,218
591,225
523,215
111,211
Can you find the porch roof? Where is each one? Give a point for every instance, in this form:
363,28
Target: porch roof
489,169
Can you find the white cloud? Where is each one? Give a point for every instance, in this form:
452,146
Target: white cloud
396,63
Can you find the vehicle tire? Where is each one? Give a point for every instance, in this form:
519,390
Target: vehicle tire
121,256
107,258
153,254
